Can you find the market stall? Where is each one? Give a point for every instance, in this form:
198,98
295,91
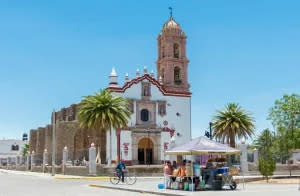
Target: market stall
190,176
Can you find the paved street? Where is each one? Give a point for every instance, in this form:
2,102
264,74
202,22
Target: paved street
36,184
26,185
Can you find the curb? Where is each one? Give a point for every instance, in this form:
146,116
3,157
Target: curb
82,178
134,190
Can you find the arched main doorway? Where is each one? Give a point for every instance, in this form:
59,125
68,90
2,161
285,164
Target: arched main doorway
145,151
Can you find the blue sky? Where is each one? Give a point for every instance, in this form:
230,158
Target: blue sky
54,52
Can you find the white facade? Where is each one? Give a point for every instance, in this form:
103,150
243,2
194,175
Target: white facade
177,117
10,149
161,107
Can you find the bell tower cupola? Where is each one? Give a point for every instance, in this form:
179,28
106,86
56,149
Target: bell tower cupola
172,63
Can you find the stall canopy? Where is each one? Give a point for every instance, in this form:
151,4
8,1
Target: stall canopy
201,145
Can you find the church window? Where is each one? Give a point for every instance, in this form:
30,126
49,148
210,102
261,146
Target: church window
15,147
176,50
144,115
163,51
162,108
177,79
146,90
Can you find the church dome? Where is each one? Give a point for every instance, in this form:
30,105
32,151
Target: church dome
171,26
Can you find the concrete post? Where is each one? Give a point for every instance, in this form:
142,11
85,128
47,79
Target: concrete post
7,162
32,160
92,160
244,158
65,159
27,161
45,159
255,156
17,160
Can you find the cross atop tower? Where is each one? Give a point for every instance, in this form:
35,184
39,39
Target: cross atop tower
171,12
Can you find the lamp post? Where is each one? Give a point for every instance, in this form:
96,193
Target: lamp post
53,142
210,131
209,134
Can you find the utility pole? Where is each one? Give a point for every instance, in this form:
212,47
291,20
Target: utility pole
53,142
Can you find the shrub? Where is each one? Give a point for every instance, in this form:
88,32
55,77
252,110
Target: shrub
266,166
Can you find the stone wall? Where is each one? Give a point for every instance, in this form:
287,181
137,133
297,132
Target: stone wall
40,144
68,133
32,140
48,142
65,133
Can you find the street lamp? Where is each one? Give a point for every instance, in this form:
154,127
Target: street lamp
210,131
209,134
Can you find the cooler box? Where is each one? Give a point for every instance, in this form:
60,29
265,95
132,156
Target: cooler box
223,170
196,170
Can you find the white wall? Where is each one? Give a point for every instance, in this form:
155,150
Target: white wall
5,147
114,145
126,138
181,105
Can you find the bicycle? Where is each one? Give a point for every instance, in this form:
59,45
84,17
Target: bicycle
128,178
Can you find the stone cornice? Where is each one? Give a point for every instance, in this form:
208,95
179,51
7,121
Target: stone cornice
154,82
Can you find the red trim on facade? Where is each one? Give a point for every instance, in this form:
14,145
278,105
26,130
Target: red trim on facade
154,82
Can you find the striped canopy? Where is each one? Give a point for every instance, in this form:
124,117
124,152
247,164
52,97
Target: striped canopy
201,145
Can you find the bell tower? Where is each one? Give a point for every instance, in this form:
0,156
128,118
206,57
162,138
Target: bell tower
172,63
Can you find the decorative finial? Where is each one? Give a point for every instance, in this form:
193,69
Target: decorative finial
92,145
243,140
65,148
171,12
152,73
145,69
113,78
137,72
160,80
113,72
126,77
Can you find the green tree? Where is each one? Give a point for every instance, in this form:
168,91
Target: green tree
104,111
265,142
266,148
25,149
266,166
285,117
231,123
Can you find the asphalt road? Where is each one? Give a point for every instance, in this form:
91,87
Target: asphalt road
26,184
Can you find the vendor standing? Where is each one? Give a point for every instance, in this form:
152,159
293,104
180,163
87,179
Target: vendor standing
167,172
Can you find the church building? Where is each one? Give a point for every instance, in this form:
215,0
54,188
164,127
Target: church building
160,111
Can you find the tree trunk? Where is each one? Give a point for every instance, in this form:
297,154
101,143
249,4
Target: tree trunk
232,142
110,146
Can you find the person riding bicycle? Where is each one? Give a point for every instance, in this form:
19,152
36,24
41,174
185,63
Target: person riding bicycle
120,170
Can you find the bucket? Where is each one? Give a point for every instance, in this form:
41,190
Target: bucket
186,186
160,186
191,187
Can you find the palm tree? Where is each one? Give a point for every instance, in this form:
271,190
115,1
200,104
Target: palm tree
231,123
103,111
